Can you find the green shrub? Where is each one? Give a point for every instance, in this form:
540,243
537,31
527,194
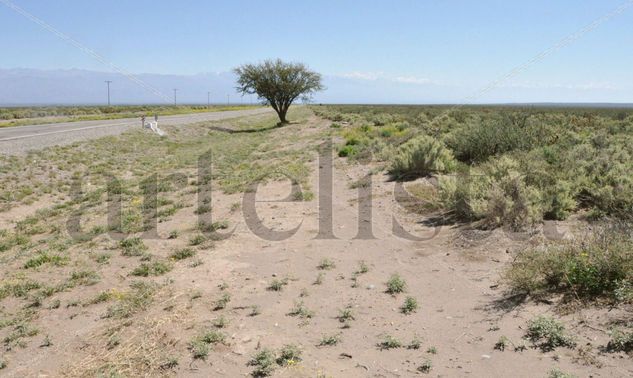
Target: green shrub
557,373
559,200
156,268
477,141
264,362
301,311
45,258
132,246
288,355
548,334
396,284
419,157
597,265
410,305
130,302
389,342
347,151
330,340
620,341
197,240
182,254
426,366
495,193
277,285
213,337
222,302
326,264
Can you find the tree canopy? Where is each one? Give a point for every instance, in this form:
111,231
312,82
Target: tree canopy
278,83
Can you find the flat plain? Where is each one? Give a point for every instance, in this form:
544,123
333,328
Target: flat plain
477,241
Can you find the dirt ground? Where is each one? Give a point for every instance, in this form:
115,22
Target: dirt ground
454,275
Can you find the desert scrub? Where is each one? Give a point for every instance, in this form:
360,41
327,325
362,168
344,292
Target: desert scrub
362,268
103,296
264,362
620,341
212,337
18,288
203,209
157,268
204,226
326,264
477,141
598,264
182,254
502,343
389,342
495,194
396,284
16,337
220,322
132,246
197,240
84,278
557,373
419,157
345,315
289,354
415,344
277,285
137,299
426,366
301,311
548,334
200,345
46,258
222,302
410,305
199,349
330,340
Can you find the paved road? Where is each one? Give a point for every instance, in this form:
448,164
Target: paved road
20,139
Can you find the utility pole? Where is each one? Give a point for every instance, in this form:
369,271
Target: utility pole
108,82
175,102
208,100
228,100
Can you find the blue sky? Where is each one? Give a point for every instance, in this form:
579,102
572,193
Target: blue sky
409,51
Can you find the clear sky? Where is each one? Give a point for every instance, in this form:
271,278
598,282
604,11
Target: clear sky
396,47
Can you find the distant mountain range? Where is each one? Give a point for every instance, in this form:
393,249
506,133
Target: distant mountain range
22,86
74,86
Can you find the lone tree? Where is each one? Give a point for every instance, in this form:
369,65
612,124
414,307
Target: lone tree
278,83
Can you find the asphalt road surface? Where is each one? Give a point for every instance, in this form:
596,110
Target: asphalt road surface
20,139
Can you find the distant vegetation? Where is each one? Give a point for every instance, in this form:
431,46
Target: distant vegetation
515,167
13,116
501,166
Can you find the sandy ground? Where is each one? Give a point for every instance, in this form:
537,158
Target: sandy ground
454,276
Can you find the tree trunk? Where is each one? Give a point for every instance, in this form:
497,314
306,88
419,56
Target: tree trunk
282,115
